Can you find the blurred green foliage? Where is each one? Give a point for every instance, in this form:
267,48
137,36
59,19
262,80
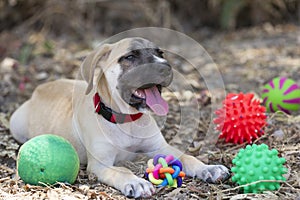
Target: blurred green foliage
229,12
255,11
25,53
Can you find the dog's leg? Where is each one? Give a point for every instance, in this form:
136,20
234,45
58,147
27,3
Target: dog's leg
121,178
195,168
207,173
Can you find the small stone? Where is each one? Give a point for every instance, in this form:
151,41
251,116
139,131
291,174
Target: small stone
278,134
84,189
187,68
7,65
41,76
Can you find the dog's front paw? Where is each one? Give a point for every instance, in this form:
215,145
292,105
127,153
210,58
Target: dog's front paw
214,173
138,188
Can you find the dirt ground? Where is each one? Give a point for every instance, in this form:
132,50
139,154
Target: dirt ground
247,59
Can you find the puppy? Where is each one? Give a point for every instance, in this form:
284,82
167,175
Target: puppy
108,120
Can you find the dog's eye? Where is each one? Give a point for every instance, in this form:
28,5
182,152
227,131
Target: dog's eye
130,57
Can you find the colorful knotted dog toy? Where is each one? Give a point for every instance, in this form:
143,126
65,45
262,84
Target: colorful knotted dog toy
165,171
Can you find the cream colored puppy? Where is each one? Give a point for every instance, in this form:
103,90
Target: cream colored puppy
111,121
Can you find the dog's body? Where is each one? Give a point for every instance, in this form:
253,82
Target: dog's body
133,71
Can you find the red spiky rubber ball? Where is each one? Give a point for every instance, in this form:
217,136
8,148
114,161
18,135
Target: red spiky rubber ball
241,118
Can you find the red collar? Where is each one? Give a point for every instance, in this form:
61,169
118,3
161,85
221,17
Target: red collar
112,116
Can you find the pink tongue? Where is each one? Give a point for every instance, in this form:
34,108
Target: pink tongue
154,100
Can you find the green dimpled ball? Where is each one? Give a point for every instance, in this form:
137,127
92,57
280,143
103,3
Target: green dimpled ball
255,163
281,94
47,159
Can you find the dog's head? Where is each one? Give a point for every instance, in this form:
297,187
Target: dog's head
133,72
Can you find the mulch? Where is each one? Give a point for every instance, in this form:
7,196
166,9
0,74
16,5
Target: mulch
247,59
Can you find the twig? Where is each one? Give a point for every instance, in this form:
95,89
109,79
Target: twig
260,181
7,169
235,147
4,179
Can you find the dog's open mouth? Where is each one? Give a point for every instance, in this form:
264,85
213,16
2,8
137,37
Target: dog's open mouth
149,96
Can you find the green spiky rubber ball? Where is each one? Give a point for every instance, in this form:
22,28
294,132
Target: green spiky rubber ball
47,159
256,163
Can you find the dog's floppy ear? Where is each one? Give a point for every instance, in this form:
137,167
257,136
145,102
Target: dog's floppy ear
90,62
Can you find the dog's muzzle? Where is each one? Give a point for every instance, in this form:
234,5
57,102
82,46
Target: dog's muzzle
141,86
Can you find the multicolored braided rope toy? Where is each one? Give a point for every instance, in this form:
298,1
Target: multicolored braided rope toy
165,171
